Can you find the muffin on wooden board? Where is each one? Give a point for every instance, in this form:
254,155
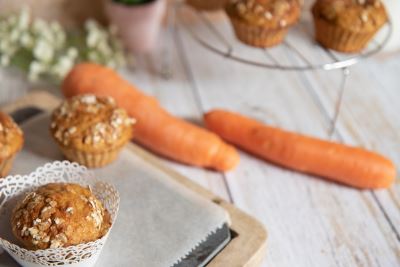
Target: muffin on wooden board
347,25
208,5
91,130
59,215
11,141
262,23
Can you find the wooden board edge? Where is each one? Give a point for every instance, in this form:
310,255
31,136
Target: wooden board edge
246,249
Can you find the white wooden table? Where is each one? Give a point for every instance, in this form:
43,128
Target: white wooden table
310,222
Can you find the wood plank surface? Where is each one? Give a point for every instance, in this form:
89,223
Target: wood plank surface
311,222
325,224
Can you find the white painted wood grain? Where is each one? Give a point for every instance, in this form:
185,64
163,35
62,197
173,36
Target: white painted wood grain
311,222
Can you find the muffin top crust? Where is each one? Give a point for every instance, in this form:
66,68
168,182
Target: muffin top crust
91,123
354,15
11,136
268,13
59,215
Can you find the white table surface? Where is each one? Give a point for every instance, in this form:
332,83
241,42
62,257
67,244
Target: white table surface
310,222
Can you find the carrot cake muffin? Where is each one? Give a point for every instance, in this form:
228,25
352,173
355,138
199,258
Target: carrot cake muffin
91,130
263,23
11,141
59,215
347,25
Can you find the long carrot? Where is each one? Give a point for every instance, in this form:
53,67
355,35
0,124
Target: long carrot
344,164
156,128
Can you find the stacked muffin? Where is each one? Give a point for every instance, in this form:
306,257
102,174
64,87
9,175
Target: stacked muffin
91,130
347,25
11,141
263,23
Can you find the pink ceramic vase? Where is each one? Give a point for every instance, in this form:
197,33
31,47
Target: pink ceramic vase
138,25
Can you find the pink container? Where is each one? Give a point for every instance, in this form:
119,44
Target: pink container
138,25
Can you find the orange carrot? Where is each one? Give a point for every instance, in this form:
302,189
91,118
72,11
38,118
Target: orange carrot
344,164
156,128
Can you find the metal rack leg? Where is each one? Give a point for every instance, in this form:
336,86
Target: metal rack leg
166,58
339,102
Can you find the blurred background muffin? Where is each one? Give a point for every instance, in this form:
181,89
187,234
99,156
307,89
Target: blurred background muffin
347,25
263,23
91,130
59,215
11,141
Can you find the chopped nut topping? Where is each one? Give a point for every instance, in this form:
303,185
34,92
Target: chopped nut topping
44,210
72,130
70,210
89,99
268,15
58,221
364,16
33,231
55,244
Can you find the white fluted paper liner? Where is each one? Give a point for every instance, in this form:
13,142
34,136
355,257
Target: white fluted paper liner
11,187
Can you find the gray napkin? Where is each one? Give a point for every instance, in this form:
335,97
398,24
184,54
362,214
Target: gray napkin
159,221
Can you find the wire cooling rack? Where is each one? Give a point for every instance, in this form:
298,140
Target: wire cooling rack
216,35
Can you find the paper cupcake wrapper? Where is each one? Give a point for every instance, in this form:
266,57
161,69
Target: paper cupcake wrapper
340,39
258,36
5,166
91,160
207,4
12,187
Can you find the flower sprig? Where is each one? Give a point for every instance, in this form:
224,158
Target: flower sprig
46,50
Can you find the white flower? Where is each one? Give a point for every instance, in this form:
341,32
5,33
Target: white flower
43,51
4,45
24,18
63,66
56,27
90,24
39,25
35,70
15,34
72,52
93,38
58,34
60,38
4,60
26,40
104,48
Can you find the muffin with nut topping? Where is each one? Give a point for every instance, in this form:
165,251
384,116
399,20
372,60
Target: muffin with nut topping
59,215
11,141
347,25
263,23
91,130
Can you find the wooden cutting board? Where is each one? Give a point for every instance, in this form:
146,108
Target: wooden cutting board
247,247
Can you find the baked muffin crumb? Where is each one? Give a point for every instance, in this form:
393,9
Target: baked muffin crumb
91,130
59,215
